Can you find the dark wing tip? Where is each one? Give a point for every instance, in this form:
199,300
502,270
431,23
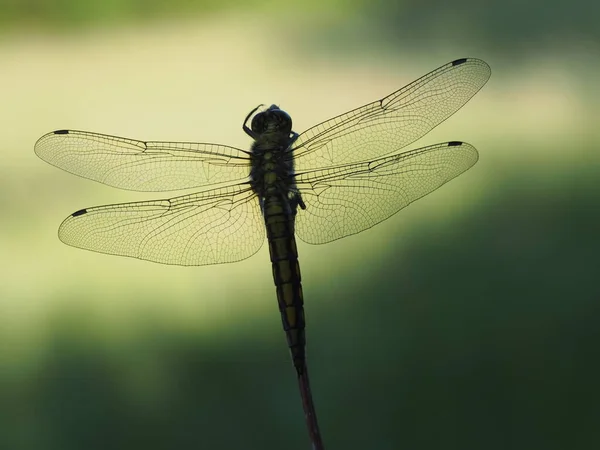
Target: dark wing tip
61,132
458,62
478,62
455,144
79,213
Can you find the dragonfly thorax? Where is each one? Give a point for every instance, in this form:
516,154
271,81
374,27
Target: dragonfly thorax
272,165
271,162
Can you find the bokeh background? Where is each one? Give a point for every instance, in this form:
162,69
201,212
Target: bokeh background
467,321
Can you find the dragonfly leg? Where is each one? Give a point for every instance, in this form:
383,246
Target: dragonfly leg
293,137
245,127
296,198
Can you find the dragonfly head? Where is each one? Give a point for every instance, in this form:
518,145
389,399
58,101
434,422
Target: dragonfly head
272,120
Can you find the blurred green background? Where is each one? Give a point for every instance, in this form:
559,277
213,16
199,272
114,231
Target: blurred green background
467,321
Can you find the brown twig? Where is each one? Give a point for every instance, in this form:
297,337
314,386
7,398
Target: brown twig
309,409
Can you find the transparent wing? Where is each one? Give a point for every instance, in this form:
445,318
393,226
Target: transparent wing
142,166
389,124
350,198
215,226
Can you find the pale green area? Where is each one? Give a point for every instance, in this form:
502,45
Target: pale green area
468,321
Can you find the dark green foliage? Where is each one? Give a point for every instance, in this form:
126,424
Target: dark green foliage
482,334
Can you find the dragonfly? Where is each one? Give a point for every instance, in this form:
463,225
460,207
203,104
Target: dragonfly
336,179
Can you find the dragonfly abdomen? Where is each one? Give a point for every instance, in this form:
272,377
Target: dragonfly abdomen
279,222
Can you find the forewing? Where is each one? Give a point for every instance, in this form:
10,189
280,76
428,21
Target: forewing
142,166
211,227
348,199
389,124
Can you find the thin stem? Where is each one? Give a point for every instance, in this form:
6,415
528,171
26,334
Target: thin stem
309,409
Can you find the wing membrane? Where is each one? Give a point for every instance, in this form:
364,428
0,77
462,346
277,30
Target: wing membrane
389,124
139,165
350,198
216,226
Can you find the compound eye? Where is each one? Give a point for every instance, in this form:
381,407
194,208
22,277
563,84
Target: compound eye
258,123
284,122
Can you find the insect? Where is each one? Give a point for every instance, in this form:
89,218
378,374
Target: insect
336,179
